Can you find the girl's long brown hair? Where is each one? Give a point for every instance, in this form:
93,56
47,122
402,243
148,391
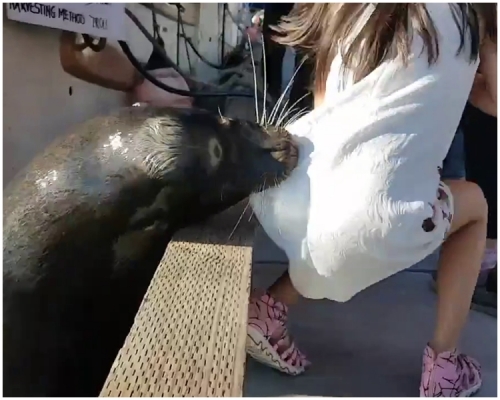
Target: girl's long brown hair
320,29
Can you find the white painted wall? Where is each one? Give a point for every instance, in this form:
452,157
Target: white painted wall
37,106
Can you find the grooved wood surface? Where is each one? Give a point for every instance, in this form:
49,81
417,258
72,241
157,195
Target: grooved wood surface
188,338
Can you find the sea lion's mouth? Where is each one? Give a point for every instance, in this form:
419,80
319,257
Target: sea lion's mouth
286,153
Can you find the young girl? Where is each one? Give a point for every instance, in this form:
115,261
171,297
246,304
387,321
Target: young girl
367,201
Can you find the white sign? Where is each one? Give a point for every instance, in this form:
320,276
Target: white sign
96,19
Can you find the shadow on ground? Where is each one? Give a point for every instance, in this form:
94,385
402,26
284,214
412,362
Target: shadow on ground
368,347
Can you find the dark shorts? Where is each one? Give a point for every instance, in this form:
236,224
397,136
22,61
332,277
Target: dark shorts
454,163
480,137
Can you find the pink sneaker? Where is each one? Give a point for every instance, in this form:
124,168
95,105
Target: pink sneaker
268,340
449,374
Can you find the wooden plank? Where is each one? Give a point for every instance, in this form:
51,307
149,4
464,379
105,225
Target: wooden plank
188,338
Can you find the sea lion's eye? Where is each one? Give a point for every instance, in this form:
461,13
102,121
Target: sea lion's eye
214,152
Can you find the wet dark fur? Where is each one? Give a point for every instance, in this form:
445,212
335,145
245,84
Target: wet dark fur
80,251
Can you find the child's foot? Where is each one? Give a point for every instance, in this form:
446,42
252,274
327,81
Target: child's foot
449,374
268,340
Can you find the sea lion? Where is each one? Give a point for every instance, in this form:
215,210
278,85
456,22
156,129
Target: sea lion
87,222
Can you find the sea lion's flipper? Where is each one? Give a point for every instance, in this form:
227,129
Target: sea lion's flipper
168,199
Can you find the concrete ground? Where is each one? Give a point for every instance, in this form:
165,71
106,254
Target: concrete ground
368,347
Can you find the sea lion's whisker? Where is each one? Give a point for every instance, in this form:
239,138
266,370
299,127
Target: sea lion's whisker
273,110
294,119
283,109
291,109
276,108
263,120
238,222
281,118
263,202
251,214
287,122
254,80
297,116
264,185
288,86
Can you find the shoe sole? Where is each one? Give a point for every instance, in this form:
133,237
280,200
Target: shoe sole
471,392
261,350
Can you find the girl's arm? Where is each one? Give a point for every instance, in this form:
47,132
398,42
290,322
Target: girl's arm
484,91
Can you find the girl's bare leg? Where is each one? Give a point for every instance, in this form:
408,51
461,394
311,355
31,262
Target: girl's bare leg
447,373
459,263
284,291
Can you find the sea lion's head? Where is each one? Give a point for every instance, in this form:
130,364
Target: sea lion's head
248,157
240,157
217,161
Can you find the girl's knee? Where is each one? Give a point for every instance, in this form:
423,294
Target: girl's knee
469,203
478,201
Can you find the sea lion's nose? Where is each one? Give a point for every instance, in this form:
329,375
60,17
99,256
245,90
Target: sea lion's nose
293,154
286,152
